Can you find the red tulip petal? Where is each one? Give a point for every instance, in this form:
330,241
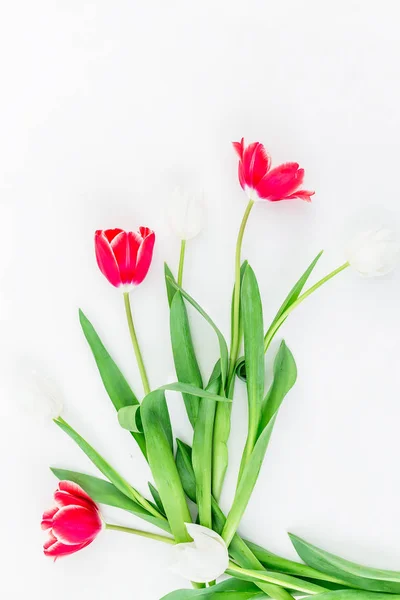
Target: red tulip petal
239,147
106,259
75,490
64,499
256,164
111,233
144,257
302,195
50,541
280,182
47,519
58,549
76,525
241,175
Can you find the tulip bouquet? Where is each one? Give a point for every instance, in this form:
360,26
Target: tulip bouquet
205,543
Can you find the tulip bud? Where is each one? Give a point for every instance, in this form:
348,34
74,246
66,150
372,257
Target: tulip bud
204,559
186,213
42,397
375,252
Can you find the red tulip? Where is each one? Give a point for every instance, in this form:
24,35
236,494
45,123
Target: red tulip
124,257
73,523
260,182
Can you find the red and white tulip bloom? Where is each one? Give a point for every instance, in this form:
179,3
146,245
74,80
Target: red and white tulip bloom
124,257
73,523
260,182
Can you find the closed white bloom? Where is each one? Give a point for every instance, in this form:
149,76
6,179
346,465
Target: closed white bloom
186,213
375,252
204,559
42,398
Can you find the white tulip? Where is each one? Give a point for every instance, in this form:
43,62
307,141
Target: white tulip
375,252
186,213
42,398
204,559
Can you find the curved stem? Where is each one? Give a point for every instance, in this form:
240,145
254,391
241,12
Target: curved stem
181,262
274,328
236,297
135,344
139,532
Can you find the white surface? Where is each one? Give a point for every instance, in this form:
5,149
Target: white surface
105,107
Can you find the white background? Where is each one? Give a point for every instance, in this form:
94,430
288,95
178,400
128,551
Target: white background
104,107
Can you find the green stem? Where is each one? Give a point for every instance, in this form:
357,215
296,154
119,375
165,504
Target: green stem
139,532
236,297
181,262
274,328
285,581
135,344
152,536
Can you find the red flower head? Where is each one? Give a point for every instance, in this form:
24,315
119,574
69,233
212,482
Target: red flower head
73,522
260,182
124,257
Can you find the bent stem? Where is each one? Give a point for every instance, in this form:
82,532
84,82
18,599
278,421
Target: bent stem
135,344
181,262
236,297
274,328
285,581
223,413
151,536
139,532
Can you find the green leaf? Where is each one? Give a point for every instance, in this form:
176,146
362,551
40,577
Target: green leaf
296,290
355,595
114,382
274,562
242,271
279,579
186,365
161,459
253,330
294,293
223,348
183,461
104,467
156,498
103,492
283,381
203,447
231,589
284,378
129,418
366,578
171,290
195,391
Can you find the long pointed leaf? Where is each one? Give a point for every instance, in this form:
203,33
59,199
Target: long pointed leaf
296,289
284,379
253,331
114,382
221,340
195,391
104,467
203,447
366,578
162,464
285,374
355,595
186,365
231,589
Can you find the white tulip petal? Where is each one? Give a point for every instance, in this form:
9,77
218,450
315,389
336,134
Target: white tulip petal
374,253
204,559
186,213
42,397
